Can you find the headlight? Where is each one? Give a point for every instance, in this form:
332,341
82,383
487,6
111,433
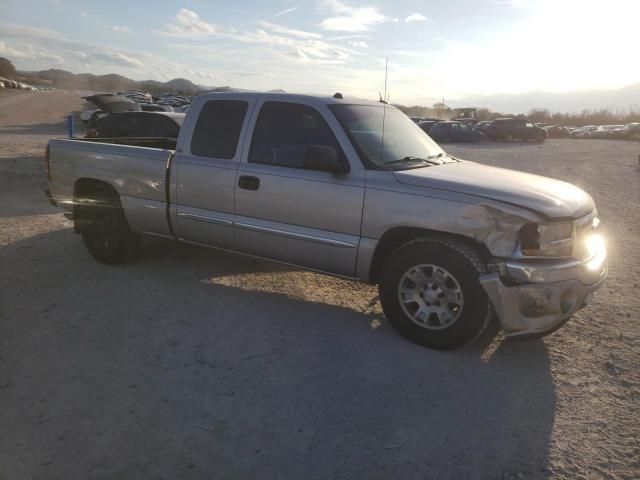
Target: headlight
596,251
554,239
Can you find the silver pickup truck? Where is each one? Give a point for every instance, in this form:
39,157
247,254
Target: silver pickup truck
350,188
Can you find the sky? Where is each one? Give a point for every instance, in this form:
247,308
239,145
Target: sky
435,49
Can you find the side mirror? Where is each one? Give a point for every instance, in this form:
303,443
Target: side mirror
325,159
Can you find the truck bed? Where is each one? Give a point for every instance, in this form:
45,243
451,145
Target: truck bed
136,168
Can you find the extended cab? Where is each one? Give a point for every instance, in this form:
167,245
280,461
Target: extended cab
350,188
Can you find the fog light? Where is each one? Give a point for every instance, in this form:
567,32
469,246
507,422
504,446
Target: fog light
596,252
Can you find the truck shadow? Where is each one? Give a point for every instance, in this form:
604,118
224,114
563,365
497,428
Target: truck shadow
192,362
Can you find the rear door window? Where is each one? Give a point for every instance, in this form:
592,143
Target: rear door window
218,129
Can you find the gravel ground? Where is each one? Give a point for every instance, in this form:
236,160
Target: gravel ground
190,363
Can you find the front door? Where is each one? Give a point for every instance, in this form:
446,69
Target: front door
290,213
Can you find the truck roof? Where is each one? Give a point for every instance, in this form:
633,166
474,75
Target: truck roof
291,97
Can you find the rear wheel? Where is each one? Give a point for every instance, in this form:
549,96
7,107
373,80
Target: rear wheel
431,294
105,231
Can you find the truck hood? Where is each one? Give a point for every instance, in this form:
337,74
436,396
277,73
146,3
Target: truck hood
552,198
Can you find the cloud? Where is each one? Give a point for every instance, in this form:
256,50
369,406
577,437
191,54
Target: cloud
514,3
415,17
107,57
84,14
40,49
289,31
351,19
120,29
188,23
358,44
350,37
117,58
23,31
22,51
284,12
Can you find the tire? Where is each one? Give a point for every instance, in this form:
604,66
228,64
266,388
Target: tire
471,307
105,231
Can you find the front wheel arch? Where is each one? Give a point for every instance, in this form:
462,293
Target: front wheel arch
396,237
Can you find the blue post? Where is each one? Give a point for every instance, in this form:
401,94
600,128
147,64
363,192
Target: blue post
70,125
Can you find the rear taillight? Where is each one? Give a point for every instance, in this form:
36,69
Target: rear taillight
47,164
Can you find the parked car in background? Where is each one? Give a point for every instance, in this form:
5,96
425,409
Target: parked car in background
138,96
110,103
604,131
427,124
556,131
631,131
445,132
583,132
482,125
140,124
87,115
509,129
154,107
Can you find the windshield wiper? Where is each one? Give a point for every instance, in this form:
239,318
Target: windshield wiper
439,155
411,160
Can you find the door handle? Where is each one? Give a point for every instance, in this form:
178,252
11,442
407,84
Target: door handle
249,183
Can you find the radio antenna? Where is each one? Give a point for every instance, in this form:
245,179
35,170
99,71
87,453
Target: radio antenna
386,74
384,109
385,98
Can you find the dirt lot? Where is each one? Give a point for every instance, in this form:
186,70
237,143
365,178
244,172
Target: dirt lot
190,363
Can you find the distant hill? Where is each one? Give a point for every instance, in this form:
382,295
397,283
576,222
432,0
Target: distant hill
110,82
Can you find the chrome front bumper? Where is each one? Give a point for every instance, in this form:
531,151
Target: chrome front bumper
532,299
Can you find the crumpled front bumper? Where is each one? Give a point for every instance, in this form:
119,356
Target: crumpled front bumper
532,299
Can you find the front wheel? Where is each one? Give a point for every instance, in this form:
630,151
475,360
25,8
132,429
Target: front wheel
431,294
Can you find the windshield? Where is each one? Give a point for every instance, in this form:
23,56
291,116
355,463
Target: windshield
403,142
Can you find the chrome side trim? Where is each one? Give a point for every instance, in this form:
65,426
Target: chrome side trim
158,235
296,236
202,218
280,262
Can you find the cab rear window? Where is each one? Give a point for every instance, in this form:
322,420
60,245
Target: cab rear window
218,129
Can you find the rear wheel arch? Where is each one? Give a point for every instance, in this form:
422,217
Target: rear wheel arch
100,219
88,192
395,238
86,188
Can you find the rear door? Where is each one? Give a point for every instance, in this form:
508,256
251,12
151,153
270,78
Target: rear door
287,212
206,171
